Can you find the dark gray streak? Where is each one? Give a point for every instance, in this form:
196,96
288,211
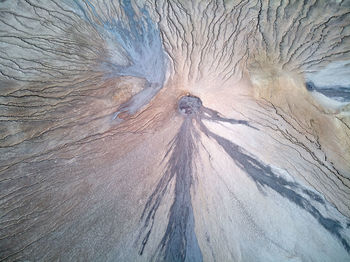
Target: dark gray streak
340,93
179,242
264,176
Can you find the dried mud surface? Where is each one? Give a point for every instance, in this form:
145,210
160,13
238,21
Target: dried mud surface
174,130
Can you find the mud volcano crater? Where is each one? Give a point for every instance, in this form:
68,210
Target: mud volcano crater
189,105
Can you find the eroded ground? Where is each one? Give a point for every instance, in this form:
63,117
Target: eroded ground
174,130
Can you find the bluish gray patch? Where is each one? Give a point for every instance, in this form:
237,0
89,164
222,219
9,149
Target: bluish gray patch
314,196
340,93
139,38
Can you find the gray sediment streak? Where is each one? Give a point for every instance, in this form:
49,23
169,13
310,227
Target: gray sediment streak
179,242
264,176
